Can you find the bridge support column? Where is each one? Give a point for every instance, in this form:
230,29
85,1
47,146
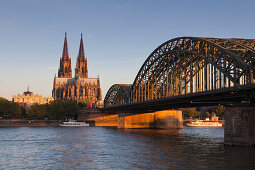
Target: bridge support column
239,126
106,120
168,119
98,118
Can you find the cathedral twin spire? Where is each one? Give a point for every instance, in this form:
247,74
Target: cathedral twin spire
65,63
81,69
65,49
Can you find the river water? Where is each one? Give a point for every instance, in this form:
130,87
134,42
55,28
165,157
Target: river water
111,148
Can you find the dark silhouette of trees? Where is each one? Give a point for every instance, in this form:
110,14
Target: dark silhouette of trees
10,109
220,111
57,109
191,112
83,104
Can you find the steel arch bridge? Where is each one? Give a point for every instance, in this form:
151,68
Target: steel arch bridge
117,94
189,65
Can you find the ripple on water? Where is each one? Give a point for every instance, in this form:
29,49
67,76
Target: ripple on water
99,148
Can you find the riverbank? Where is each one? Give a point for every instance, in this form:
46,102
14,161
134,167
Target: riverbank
28,123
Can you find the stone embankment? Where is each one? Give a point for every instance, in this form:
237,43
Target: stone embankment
28,123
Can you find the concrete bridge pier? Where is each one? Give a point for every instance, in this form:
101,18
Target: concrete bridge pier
167,119
239,126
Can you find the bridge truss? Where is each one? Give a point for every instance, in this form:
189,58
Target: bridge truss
117,94
188,65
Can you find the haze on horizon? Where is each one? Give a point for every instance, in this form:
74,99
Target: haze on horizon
118,35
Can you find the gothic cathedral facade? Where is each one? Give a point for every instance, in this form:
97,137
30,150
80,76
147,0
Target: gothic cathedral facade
79,88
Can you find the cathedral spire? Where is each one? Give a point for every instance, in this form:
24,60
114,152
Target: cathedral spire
65,62
81,50
65,54
98,81
81,69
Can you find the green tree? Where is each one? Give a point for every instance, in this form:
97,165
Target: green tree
56,109
191,112
83,104
9,109
3,99
207,114
38,111
59,109
220,111
71,109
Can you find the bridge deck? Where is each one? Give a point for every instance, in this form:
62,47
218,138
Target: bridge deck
239,96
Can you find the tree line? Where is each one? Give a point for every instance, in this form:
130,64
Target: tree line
55,110
11,109
192,112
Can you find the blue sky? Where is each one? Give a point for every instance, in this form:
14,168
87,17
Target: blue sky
118,35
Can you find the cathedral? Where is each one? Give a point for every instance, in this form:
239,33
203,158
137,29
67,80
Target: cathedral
79,88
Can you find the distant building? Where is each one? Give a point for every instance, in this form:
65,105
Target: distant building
28,98
79,88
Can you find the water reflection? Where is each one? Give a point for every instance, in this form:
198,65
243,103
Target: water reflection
154,132
100,148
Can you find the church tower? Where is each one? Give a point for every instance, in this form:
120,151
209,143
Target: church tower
81,69
65,63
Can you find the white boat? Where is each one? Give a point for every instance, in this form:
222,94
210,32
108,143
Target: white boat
73,123
204,124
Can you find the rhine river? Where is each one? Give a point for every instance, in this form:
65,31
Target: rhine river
111,148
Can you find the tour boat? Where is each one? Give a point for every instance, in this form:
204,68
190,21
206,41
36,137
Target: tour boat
73,123
204,124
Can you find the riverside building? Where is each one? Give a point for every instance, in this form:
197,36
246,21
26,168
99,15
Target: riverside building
28,98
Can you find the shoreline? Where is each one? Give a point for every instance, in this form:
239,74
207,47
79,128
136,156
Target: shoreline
28,123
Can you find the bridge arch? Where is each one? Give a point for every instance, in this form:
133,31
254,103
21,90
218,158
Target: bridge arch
117,94
189,65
